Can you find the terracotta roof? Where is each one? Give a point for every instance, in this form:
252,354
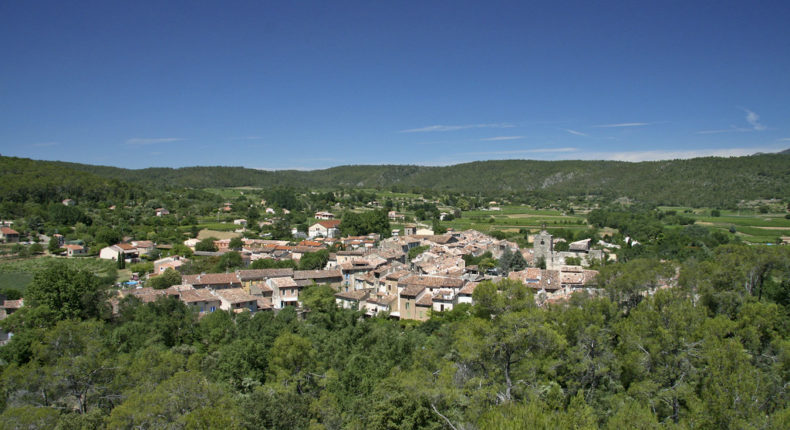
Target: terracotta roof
443,295
236,295
580,245
353,295
283,282
394,276
264,304
7,230
469,288
317,274
74,247
351,266
333,223
441,239
13,304
126,247
530,274
550,280
261,274
200,295
211,279
412,290
382,299
433,281
425,300
260,289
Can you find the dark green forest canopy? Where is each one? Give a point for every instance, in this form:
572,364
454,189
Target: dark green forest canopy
710,181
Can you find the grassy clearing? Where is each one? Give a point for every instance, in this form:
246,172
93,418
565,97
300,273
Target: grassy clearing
219,226
15,280
206,233
18,273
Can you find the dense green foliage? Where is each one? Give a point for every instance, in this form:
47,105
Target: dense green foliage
714,182
358,224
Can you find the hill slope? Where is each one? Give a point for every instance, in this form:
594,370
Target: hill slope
707,181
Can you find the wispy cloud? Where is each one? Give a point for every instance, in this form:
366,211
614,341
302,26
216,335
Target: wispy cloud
635,156
248,138
784,139
732,129
623,124
432,128
524,151
44,144
498,138
300,168
754,120
152,141
576,133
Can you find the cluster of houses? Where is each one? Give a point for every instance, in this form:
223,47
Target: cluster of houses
374,277
129,252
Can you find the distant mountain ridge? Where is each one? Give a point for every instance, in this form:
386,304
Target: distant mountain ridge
709,181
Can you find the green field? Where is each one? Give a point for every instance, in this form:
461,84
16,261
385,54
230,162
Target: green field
17,274
15,280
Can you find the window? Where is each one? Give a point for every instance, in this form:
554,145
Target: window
407,306
213,309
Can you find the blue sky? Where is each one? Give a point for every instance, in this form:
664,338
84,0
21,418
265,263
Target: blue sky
306,85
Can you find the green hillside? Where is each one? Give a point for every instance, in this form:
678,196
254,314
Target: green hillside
696,182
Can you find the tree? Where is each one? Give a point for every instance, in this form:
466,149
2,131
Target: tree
54,245
168,278
187,400
236,244
68,292
206,245
417,250
512,261
291,360
314,260
228,261
182,250
318,298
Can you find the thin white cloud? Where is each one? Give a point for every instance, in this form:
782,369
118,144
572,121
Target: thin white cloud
623,124
432,128
732,129
657,155
300,168
576,133
754,120
498,138
44,144
784,139
524,151
152,141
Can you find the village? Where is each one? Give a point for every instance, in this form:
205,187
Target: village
369,274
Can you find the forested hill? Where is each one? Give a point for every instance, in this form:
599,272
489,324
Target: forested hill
707,181
23,180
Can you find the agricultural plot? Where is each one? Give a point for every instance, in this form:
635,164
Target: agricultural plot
18,274
750,226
